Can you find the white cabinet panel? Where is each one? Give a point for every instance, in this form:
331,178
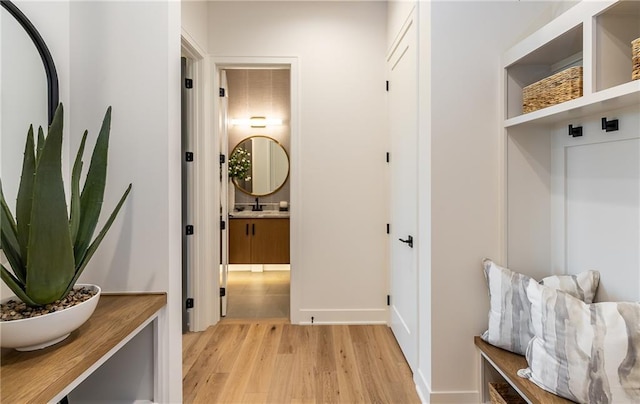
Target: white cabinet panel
603,215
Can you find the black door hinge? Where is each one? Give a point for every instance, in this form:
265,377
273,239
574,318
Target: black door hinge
188,156
387,85
223,158
223,225
221,92
189,303
223,292
188,83
388,157
388,300
188,229
388,228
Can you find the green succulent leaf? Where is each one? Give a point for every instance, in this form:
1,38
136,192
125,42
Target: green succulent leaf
9,239
50,261
15,286
93,190
94,246
25,193
74,221
40,141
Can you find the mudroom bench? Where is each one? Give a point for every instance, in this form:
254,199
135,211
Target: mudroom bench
498,365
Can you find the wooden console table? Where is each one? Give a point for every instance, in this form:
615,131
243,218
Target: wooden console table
49,374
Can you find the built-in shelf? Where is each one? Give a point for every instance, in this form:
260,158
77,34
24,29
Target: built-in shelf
594,35
621,96
49,374
615,28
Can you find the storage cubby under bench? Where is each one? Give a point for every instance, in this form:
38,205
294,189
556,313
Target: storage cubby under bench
497,364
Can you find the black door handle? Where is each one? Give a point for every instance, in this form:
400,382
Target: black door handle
253,229
409,241
246,229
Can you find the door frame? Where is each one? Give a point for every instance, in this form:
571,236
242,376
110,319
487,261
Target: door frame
206,190
216,64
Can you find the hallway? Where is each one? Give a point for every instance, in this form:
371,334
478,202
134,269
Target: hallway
244,361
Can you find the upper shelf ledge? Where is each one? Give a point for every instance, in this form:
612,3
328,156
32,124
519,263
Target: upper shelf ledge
573,17
621,96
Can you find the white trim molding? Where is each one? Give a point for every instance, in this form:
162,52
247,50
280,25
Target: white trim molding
204,193
229,62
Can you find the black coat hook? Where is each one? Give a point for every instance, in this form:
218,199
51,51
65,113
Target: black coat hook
609,126
575,132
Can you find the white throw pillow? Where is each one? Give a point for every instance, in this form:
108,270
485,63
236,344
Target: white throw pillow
589,353
509,313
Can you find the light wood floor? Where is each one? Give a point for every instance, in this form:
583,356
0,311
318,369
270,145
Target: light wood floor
271,361
258,294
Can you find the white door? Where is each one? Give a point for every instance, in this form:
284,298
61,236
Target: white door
403,118
224,193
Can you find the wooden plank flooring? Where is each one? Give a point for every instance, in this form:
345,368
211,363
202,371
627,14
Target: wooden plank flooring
271,361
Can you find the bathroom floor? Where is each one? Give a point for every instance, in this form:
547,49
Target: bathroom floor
258,294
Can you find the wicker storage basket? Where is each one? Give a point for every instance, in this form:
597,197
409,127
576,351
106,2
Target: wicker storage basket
562,86
502,393
635,57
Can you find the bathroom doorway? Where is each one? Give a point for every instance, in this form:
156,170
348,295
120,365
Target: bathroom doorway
255,270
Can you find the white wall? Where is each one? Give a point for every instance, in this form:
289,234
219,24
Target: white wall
466,182
194,16
342,271
127,55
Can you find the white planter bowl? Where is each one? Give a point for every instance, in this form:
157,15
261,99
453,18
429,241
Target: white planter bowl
40,332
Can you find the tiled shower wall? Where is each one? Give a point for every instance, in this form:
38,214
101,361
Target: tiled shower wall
260,92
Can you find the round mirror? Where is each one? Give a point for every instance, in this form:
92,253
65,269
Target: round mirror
259,166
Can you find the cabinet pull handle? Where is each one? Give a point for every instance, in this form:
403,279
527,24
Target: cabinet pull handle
246,229
253,229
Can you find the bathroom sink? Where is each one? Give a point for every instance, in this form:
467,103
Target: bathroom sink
263,213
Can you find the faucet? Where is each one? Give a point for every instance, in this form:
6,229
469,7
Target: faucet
257,207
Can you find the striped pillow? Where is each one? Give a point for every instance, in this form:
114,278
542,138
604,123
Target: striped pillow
589,353
509,314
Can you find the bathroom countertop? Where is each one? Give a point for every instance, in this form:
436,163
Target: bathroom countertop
264,214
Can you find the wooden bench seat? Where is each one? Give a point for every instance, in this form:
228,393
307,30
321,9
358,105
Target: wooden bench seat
507,365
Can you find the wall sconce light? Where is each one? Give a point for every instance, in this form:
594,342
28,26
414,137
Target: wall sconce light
257,122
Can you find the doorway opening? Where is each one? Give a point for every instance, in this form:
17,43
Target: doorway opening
255,246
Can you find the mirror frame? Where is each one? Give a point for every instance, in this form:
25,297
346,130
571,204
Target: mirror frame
53,96
235,183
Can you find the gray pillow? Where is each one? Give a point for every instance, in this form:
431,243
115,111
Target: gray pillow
589,353
509,313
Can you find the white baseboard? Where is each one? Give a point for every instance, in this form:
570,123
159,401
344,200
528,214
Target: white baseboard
340,316
442,397
454,397
422,387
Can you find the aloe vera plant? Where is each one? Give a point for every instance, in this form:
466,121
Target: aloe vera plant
46,247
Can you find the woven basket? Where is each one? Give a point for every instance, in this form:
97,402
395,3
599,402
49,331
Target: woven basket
502,393
635,57
562,86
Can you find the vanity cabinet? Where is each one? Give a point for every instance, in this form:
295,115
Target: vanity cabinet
259,241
